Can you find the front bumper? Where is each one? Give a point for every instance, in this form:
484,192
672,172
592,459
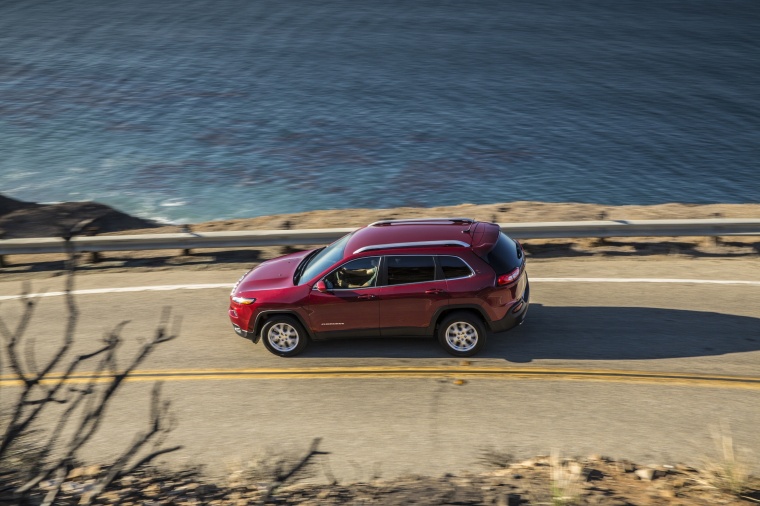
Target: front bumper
241,332
241,318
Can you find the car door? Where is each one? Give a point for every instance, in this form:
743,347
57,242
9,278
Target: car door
349,307
410,295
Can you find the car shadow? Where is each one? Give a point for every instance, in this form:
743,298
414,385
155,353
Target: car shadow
582,333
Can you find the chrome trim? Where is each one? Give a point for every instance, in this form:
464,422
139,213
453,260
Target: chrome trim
420,244
422,221
351,289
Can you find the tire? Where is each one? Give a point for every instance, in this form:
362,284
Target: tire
284,336
462,334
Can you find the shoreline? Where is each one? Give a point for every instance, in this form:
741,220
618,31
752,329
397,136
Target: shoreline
505,212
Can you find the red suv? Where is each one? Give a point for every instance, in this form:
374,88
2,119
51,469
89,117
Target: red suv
452,278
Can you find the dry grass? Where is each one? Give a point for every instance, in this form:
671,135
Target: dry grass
565,482
728,473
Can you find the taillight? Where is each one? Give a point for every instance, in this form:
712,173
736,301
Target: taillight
508,278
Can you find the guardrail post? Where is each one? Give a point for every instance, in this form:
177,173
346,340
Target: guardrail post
186,229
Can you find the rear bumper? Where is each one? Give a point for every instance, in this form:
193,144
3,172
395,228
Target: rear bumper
515,316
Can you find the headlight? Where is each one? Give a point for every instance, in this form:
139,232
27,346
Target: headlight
243,300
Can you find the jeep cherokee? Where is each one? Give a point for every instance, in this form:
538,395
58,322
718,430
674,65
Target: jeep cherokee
452,278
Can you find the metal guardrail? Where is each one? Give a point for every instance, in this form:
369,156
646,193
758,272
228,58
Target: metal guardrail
260,238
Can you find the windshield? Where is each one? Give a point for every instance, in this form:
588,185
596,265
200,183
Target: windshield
322,260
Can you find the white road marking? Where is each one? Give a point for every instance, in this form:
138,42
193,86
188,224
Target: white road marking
164,288
647,280
91,291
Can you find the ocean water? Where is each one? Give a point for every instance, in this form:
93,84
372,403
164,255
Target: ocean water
190,110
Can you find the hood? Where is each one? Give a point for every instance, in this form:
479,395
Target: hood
277,273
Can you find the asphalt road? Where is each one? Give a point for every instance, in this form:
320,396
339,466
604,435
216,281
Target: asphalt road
639,370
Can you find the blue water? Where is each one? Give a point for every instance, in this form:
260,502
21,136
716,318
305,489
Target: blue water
190,110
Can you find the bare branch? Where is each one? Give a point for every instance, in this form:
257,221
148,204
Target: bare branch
281,479
53,493
149,458
40,390
158,411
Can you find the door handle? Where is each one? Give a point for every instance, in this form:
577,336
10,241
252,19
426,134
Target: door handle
366,296
435,290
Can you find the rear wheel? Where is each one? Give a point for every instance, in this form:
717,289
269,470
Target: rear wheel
284,336
462,334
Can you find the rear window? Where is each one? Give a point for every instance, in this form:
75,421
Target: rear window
454,267
505,256
410,269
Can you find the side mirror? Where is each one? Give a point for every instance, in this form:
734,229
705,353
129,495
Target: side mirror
322,286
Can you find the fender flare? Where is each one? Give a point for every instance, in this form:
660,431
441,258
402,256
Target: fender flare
455,307
259,323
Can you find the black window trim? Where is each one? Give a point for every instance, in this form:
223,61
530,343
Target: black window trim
384,272
444,278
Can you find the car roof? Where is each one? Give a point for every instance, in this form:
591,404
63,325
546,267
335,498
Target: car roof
392,234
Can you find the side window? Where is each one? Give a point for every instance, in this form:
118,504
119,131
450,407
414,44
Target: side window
454,267
359,273
410,269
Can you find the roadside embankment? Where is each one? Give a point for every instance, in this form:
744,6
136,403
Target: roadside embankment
18,219
595,480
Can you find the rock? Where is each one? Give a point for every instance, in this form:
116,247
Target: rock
626,466
514,500
152,491
70,487
127,481
206,489
91,471
110,497
645,474
75,473
49,484
590,474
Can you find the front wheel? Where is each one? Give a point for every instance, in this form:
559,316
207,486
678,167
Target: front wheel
284,336
462,334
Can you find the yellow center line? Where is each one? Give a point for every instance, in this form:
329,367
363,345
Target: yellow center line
396,372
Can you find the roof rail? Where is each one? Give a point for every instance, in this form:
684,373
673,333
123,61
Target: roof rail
422,221
419,244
